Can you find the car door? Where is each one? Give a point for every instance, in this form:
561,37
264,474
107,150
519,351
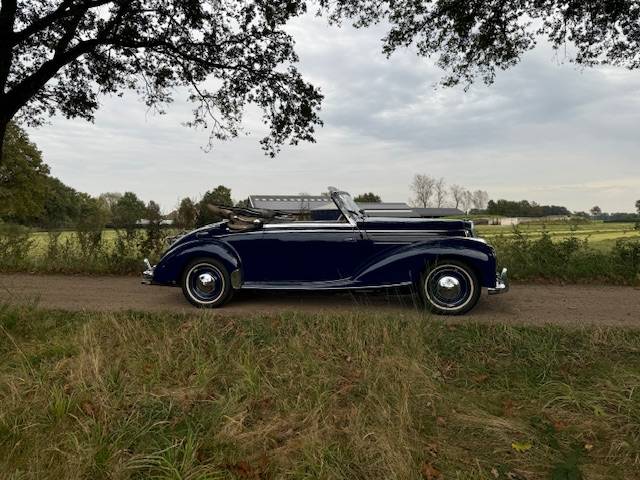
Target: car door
310,252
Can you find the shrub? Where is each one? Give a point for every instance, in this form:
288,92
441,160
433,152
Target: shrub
627,251
15,246
570,259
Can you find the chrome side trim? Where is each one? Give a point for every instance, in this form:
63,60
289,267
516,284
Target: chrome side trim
291,227
306,225
399,231
264,286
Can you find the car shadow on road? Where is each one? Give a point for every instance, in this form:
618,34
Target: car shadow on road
391,300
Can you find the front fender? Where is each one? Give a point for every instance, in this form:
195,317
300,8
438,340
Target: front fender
408,262
171,266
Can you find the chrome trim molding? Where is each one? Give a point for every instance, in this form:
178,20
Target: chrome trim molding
502,283
263,286
400,231
307,225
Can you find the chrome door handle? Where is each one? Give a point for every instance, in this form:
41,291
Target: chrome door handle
350,239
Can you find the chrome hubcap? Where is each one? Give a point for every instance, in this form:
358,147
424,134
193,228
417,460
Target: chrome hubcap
448,287
206,282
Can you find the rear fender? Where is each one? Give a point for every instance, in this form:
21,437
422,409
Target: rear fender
170,268
408,262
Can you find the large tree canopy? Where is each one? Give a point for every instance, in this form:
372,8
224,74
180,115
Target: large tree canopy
58,56
473,39
23,177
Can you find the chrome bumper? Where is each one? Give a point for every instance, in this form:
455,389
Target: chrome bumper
147,275
502,283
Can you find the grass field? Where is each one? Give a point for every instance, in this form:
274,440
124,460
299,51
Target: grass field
41,239
131,396
600,235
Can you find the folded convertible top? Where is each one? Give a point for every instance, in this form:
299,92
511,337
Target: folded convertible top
241,218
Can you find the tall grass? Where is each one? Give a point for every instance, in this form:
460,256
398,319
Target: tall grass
127,396
570,259
84,251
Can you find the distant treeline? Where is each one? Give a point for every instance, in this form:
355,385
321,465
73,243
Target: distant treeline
524,208
619,217
30,196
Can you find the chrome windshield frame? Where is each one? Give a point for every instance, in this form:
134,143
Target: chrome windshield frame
351,212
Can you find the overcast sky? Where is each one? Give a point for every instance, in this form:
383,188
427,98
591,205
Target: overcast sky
545,131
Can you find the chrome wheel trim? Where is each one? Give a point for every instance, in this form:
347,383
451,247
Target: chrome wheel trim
454,287
448,287
206,282
203,280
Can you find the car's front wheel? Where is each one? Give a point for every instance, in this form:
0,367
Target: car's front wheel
450,287
206,283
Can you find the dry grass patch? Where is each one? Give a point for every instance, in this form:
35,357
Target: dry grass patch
127,396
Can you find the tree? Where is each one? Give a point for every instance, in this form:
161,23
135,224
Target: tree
457,193
637,226
245,203
220,195
59,56
467,200
90,223
110,198
524,208
471,40
186,214
369,197
423,187
596,211
23,178
480,199
62,206
440,189
127,211
153,241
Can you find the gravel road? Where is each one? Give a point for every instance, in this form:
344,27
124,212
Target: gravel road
529,304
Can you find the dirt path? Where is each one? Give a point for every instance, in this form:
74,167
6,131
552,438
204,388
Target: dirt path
531,304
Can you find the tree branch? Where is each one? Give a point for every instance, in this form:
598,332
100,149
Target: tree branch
7,20
69,33
66,9
20,94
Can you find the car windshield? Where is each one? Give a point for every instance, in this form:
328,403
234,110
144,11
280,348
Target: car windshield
346,204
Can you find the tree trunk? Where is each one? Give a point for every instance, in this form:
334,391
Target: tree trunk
4,123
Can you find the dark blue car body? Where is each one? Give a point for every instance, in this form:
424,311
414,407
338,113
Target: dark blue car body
357,253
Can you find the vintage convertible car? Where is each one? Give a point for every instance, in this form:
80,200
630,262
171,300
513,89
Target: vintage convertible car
260,249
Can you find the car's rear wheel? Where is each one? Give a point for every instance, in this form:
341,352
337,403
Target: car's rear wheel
450,287
206,283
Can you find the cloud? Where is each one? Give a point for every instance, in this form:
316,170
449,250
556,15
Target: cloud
544,131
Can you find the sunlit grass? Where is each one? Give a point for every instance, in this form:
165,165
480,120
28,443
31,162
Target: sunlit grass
128,395
600,235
